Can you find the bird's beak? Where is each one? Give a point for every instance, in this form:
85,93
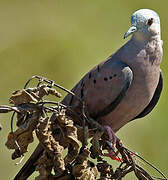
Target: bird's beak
131,30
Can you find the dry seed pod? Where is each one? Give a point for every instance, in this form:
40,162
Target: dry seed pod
43,90
59,165
51,146
44,165
70,135
54,92
49,143
73,148
105,169
96,148
81,170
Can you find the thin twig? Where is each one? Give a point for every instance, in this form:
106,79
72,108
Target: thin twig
12,118
60,104
142,171
9,108
53,84
147,162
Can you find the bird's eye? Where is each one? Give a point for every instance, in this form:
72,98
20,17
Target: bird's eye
150,21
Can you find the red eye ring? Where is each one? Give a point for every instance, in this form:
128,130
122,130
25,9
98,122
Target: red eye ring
150,22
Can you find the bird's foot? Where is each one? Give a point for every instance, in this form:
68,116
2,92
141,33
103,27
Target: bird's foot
114,143
112,137
111,144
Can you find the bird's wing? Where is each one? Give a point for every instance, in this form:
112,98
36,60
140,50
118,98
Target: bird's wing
102,88
154,100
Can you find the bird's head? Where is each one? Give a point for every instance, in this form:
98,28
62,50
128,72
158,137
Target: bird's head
144,24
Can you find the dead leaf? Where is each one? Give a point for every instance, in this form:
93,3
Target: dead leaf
20,97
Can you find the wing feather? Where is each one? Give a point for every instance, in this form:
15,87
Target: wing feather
102,88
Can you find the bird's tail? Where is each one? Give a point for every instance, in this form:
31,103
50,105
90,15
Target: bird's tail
29,166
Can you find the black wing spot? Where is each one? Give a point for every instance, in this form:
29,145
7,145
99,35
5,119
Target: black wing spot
109,108
94,81
105,79
115,75
90,75
115,103
110,77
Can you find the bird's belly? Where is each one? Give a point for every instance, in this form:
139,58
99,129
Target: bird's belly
137,98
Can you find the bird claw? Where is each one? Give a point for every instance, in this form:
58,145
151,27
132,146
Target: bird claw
111,152
111,144
113,156
112,137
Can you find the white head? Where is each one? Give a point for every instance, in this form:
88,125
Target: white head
144,24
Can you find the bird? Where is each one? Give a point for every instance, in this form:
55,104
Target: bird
124,87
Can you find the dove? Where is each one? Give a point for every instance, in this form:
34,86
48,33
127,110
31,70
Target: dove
124,87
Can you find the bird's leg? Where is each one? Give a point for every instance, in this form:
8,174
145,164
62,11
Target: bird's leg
111,144
112,137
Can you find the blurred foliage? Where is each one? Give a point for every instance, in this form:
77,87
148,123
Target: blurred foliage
62,40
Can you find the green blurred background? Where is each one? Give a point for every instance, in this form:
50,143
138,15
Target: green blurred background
62,40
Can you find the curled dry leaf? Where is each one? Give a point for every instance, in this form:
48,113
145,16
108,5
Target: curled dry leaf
51,146
19,137
105,169
81,169
70,135
32,94
39,92
20,97
23,136
44,166
57,133
96,148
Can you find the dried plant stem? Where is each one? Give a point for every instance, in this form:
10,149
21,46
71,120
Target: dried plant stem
60,131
